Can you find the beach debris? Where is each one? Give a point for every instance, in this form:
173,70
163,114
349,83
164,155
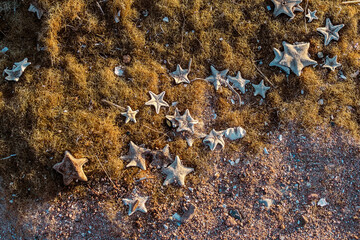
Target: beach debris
287,7
188,214
320,54
165,19
311,15
171,119
331,63
136,203
39,12
266,202
330,31
275,63
260,89
117,17
238,82
322,202
157,101
181,75
119,71
296,56
214,138
176,172
136,156
236,214
71,168
217,78
186,122
235,133
130,114
266,151
4,50
15,73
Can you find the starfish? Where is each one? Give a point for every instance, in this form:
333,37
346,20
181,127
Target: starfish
15,73
278,56
214,138
176,172
217,77
71,168
296,57
157,101
330,31
186,122
172,118
137,203
286,7
331,63
180,75
238,82
136,156
130,114
260,89
311,15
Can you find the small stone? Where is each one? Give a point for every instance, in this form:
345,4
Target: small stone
126,58
166,19
235,214
266,202
322,202
166,227
119,71
280,138
321,102
4,50
320,55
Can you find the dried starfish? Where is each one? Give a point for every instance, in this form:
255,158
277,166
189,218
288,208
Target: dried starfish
181,75
136,203
330,31
176,172
136,156
157,101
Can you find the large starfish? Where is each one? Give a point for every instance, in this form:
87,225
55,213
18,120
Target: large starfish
71,168
186,122
286,6
136,156
157,101
217,77
330,31
214,138
238,82
260,89
137,203
278,56
296,57
176,172
180,75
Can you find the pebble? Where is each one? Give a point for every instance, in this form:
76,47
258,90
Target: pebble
4,50
321,101
119,71
280,137
322,202
237,160
235,214
166,19
320,55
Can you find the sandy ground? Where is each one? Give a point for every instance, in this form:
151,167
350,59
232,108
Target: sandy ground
299,170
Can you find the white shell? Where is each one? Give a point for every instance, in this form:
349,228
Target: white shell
235,133
36,10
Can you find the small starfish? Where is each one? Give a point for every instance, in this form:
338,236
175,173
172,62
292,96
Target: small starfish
214,138
172,118
176,172
180,75
278,56
136,156
331,63
296,57
130,114
217,77
330,31
260,89
15,73
286,7
71,168
311,15
238,82
157,101
186,122
137,203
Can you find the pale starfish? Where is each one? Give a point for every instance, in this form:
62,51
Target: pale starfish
260,89
214,138
217,78
136,156
137,203
186,122
331,63
180,75
130,114
176,172
311,15
287,7
172,118
296,57
275,63
15,73
238,82
157,101
330,31
71,168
